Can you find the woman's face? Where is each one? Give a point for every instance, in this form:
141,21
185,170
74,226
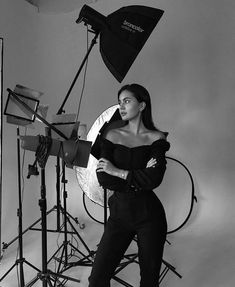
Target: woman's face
129,107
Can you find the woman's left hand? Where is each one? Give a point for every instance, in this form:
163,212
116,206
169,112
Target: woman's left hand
105,165
151,163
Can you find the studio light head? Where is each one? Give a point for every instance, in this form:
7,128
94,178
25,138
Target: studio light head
93,18
123,33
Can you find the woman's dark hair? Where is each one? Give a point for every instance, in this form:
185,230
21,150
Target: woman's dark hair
142,95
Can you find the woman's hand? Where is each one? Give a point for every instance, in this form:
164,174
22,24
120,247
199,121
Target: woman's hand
105,165
151,163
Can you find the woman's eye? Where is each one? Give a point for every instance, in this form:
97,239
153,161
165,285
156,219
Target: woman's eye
127,101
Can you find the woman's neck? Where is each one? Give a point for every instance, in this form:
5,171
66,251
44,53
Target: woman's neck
136,126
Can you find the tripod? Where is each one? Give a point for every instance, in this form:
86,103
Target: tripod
85,259
42,153
46,276
21,260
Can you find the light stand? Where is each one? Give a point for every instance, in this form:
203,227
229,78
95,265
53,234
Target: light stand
45,275
21,260
93,42
21,118
86,259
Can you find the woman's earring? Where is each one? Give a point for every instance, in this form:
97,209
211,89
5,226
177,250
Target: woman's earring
143,106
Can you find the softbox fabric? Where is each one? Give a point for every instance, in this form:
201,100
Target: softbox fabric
128,30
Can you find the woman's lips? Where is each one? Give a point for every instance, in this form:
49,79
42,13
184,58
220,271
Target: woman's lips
123,114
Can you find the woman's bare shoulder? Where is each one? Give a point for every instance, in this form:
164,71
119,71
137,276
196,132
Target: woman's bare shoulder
113,134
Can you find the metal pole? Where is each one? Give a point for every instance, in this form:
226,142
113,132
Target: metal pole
19,213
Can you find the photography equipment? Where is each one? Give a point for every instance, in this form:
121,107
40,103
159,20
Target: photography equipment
71,152
17,114
46,276
123,34
20,260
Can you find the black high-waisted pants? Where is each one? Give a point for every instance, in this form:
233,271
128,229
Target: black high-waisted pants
131,214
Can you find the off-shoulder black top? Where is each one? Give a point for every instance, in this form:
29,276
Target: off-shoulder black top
134,159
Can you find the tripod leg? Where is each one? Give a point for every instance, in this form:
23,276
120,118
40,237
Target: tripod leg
64,181
43,208
58,193
63,260
8,271
20,212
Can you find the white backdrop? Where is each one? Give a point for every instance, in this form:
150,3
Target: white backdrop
188,66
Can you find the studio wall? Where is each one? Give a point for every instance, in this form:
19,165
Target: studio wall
188,66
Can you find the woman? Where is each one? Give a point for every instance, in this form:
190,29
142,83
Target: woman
132,164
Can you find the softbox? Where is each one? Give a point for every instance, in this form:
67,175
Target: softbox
127,31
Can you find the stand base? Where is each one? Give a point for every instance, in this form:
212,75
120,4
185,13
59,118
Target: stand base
19,262
133,258
50,278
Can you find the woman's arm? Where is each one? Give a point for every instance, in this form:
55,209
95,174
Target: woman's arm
147,178
150,178
105,165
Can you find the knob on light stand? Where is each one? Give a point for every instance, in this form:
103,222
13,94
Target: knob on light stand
32,170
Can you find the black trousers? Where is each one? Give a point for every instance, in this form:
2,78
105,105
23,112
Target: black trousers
141,215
